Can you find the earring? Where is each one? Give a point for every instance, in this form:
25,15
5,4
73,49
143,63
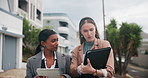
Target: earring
42,48
81,35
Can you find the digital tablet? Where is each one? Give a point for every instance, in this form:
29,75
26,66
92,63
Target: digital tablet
51,73
98,57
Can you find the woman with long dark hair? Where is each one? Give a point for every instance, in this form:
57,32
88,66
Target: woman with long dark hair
47,56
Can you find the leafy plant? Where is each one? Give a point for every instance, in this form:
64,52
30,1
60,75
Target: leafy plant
125,42
30,41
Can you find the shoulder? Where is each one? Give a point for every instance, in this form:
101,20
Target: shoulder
63,57
62,54
31,58
104,43
34,57
79,47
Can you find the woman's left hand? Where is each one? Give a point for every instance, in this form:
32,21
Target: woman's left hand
87,69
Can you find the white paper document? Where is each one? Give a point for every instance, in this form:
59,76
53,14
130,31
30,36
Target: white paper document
51,73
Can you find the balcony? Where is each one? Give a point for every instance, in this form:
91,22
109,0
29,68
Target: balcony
64,30
22,13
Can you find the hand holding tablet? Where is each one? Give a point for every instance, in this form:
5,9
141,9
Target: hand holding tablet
98,57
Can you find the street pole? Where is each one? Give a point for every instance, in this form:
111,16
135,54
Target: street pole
104,20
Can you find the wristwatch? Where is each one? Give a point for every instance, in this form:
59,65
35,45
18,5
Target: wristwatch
95,73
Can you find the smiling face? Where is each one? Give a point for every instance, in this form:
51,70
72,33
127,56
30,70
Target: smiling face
88,31
51,43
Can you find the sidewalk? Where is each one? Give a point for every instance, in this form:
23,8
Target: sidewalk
138,68
135,67
135,71
13,73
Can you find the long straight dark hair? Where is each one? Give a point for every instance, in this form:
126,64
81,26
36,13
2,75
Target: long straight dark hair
82,22
43,36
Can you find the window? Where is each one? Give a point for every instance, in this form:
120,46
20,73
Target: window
48,21
64,35
22,4
38,14
63,24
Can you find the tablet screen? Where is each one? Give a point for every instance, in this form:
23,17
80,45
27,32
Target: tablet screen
51,73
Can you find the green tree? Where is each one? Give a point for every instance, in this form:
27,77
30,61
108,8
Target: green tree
125,42
113,37
130,40
30,40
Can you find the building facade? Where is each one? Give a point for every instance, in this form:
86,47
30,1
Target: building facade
142,57
30,9
10,38
144,44
12,12
62,24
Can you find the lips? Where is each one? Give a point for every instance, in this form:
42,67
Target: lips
55,47
88,37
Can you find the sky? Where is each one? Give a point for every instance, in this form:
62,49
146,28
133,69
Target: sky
130,11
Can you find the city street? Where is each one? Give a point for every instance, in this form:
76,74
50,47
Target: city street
137,72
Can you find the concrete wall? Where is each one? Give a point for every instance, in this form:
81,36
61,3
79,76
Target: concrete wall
11,25
4,5
12,22
141,60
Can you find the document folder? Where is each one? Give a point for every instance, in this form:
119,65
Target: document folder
98,57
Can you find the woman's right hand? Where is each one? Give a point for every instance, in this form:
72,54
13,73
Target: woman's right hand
87,69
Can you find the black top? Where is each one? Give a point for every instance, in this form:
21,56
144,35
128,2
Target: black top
43,64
